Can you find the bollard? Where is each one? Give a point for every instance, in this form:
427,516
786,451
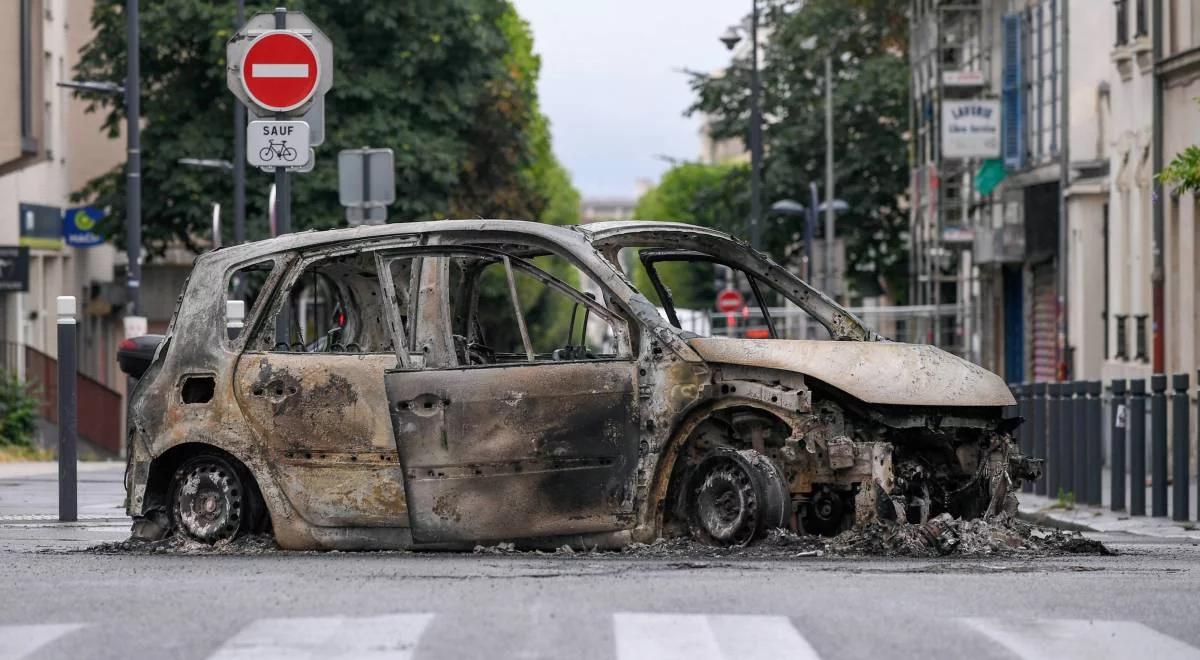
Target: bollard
1137,447
1179,446
68,501
1024,431
1095,443
1198,448
1079,440
1066,451
1120,415
1053,440
1038,430
1158,445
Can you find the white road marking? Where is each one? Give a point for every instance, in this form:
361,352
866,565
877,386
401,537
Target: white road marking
1068,639
278,70
389,637
17,642
708,637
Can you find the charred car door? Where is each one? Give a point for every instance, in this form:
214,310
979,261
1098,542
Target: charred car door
309,383
520,425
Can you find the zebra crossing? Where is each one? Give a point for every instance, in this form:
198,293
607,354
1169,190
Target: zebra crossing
641,636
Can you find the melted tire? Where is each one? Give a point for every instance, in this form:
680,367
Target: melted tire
213,500
734,497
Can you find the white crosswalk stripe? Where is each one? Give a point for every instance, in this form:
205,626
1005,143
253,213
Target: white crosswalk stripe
389,637
1068,639
17,642
644,636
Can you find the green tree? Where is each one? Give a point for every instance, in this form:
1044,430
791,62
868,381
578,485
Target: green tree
868,42
1183,172
445,84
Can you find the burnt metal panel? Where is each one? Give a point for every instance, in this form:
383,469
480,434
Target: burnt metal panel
516,451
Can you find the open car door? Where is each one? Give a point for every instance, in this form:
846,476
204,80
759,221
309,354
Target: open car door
501,446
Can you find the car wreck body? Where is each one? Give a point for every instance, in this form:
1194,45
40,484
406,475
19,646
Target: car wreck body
370,401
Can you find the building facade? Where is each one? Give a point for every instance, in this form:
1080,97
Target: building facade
1012,232
50,147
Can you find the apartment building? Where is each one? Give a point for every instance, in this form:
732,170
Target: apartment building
50,148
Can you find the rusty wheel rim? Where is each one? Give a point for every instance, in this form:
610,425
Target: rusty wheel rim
207,502
724,509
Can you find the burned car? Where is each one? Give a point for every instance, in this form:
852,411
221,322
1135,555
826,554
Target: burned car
452,383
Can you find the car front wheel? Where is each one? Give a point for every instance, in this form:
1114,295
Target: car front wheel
735,497
212,500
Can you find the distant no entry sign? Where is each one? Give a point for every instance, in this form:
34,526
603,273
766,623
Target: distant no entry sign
280,70
729,300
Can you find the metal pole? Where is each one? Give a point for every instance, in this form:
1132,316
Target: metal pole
1064,173
1158,445
755,135
1158,272
1054,482
1179,441
1095,442
1137,447
1120,417
1066,451
1079,440
1021,392
1038,425
1198,449
133,165
68,501
810,227
239,150
829,212
283,187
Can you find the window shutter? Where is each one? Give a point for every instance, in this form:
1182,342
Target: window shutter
1013,106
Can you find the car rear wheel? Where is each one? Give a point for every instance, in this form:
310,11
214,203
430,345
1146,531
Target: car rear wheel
212,500
735,497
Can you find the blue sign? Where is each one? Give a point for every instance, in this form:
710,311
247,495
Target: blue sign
79,226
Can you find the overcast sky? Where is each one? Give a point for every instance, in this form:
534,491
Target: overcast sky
609,82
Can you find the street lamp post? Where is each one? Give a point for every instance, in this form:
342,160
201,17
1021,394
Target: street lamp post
731,39
133,165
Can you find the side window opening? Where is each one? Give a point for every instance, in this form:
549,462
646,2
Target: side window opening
246,284
552,324
334,306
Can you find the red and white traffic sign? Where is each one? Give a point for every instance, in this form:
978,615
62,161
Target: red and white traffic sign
730,300
280,70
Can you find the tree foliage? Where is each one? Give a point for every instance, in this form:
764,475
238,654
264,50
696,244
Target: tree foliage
448,85
1183,172
867,40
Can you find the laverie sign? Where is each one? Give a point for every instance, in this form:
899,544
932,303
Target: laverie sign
971,129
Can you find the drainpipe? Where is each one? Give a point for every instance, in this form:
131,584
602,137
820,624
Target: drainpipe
1064,368
1156,276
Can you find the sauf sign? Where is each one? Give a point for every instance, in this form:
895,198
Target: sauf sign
971,129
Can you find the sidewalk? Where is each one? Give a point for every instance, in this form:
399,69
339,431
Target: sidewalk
29,506
1050,511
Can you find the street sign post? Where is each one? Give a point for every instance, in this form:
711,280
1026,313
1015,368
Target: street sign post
730,300
366,184
280,65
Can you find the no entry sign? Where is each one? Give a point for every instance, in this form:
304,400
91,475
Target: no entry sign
280,70
729,300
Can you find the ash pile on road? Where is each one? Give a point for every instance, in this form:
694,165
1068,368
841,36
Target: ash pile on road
944,535
177,544
941,536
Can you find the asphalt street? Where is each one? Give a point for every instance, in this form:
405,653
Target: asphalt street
63,602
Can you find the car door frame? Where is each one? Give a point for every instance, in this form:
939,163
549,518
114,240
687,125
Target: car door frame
469,475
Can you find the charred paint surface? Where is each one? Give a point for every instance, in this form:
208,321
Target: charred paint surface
518,450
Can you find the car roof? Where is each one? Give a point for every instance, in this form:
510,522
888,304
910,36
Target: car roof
558,233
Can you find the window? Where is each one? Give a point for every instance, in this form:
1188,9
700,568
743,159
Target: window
509,310
684,286
1122,8
333,306
246,284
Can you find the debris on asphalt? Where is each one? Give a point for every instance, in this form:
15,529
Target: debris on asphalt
178,544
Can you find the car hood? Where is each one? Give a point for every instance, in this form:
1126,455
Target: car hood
875,372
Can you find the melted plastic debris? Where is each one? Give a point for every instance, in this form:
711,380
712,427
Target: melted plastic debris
943,536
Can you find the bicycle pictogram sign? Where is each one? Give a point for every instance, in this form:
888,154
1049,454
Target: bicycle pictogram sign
272,144
279,150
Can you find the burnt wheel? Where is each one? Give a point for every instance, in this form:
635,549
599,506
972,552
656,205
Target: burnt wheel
734,497
213,500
